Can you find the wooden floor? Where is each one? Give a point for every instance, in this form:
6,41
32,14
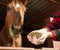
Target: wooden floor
56,47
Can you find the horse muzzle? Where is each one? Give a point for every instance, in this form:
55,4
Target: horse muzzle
15,31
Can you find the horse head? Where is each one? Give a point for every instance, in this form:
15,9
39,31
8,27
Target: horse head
15,17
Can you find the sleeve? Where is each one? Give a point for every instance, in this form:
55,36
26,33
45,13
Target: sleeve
54,27
55,24
56,34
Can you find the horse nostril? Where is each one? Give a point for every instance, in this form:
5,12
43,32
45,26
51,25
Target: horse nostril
21,29
15,30
12,27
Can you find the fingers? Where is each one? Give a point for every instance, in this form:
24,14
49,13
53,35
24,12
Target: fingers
29,38
42,39
33,40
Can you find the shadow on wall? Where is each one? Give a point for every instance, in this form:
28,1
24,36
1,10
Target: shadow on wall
3,10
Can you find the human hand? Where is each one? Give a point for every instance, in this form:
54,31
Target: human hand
33,36
37,36
44,36
42,39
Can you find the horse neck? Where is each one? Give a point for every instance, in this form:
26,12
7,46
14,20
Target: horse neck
6,39
5,32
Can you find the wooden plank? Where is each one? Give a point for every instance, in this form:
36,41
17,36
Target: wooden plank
47,48
15,48
37,49
56,45
18,48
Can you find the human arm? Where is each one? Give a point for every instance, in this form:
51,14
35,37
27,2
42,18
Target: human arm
49,31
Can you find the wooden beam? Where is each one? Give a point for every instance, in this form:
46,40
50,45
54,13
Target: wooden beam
55,1
31,12
43,15
15,48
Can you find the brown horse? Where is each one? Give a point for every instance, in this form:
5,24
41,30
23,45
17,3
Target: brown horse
10,35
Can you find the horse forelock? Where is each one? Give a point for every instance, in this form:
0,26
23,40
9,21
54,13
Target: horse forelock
15,2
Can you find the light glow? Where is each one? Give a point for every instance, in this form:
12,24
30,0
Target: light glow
51,18
17,5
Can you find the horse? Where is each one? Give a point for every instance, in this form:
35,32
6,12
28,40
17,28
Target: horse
10,34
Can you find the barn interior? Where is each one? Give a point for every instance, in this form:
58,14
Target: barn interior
37,15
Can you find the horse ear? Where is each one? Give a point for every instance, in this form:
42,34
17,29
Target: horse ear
24,2
11,3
